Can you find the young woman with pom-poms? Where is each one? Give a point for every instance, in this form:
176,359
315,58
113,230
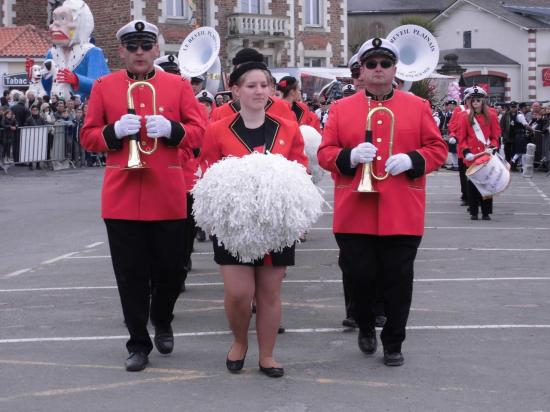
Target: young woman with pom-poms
251,130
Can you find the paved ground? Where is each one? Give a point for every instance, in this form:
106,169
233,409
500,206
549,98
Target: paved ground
478,340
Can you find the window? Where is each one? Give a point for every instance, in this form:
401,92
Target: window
177,8
250,6
312,13
467,40
314,62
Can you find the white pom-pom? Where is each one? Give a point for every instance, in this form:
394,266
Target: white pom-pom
312,141
256,204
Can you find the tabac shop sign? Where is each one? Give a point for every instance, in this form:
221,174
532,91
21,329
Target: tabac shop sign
546,76
15,80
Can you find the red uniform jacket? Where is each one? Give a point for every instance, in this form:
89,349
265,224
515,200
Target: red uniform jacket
398,208
274,107
305,116
158,192
223,138
454,129
469,141
189,157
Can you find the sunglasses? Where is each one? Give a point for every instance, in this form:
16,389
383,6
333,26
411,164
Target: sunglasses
133,47
477,100
372,64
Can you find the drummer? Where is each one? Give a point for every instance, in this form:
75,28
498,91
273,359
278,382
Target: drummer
478,132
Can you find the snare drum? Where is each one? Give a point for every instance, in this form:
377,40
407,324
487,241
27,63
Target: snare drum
490,174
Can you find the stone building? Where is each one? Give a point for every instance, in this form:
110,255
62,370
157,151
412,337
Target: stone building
289,32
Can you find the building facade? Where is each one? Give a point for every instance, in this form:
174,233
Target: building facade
505,46
288,32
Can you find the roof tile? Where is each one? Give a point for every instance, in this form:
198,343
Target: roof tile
23,41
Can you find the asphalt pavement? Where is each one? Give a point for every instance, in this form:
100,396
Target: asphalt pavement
478,336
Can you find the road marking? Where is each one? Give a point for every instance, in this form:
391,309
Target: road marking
288,330
16,273
304,281
103,387
94,245
540,192
460,228
432,249
56,259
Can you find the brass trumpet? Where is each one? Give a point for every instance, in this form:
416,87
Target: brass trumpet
134,146
365,185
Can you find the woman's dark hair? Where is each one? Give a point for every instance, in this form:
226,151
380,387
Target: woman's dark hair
287,84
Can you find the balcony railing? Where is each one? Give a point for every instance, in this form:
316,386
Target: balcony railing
245,25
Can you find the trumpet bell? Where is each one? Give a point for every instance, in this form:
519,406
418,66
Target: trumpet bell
199,51
418,52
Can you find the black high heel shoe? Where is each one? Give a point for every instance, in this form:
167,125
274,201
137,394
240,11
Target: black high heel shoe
235,366
272,372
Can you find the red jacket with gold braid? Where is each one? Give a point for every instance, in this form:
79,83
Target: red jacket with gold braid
157,192
223,138
469,141
398,207
274,107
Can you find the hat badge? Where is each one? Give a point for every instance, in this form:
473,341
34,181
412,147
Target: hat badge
376,42
171,58
204,94
140,26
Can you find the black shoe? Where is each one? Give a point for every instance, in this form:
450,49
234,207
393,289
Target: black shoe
473,217
367,341
136,361
349,322
200,236
281,329
380,321
393,358
272,372
164,340
235,366
485,217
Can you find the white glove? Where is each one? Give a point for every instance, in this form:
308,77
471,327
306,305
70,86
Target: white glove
362,153
452,140
128,124
158,126
398,163
490,150
469,157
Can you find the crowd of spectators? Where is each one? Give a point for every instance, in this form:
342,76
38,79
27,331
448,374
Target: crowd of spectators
18,110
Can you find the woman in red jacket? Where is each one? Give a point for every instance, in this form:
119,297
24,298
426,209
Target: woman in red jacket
251,130
478,132
291,93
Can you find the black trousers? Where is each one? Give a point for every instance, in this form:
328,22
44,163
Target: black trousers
348,299
148,261
463,180
190,231
368,259
475,200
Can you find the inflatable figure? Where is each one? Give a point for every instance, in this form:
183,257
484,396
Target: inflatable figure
73,63
34,74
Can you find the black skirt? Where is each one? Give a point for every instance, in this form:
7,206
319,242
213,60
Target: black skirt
282,258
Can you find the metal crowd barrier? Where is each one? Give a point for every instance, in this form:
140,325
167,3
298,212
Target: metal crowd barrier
34,144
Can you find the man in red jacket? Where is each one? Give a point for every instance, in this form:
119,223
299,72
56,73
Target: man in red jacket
379,233
144,208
